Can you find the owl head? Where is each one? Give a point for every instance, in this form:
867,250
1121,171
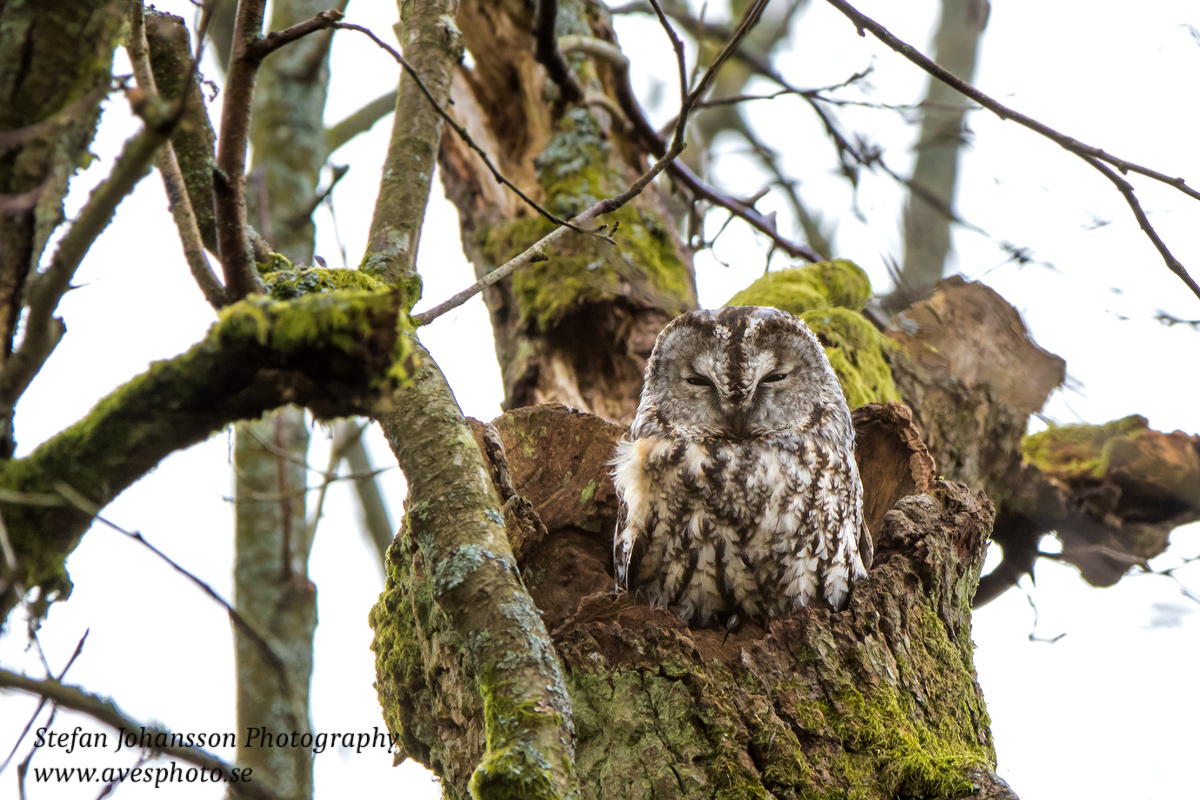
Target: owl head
740,372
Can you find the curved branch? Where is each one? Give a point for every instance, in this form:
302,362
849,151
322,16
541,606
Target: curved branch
106,711
1092,155
329,352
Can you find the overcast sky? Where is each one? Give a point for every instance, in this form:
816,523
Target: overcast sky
1106,711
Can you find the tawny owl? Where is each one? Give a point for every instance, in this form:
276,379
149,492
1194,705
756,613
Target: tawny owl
740,496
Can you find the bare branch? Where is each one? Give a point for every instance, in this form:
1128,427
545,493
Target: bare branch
261,48
460,130
1093,156
105,711
677,46
42,702
84,504
233,243
651,141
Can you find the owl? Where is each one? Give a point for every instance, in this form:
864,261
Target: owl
740,496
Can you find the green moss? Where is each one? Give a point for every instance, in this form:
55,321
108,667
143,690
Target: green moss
583,270
511,768
798,289
886,747
290,282
856,352
277,262
576,170
589,491
1080,451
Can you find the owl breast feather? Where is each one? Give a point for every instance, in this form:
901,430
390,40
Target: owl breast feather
718,529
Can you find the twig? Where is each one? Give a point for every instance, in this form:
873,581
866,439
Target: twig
339,172
548,54
229,184
537,251
1093,156
243,625
654,143
105,711
261,48
677,46
43,330
168,167
466,137
42,703
326,479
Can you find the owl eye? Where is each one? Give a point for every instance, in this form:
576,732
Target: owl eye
696,380
774,377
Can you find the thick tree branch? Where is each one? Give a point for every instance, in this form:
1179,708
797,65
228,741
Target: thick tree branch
433,45
329,352
454,517
107,712
1093,156
193,140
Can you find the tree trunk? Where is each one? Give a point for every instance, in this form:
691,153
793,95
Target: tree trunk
578,328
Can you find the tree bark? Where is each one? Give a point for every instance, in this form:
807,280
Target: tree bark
877,701
55,67
272,538
578,328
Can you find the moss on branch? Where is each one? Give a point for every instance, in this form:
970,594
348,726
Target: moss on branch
473,597
334,353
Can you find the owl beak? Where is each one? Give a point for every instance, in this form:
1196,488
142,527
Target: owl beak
738,418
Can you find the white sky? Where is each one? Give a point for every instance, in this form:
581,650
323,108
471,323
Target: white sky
1107,711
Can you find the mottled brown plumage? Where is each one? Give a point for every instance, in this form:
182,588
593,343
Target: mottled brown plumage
740,496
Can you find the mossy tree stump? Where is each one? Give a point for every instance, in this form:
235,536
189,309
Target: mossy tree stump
877,701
